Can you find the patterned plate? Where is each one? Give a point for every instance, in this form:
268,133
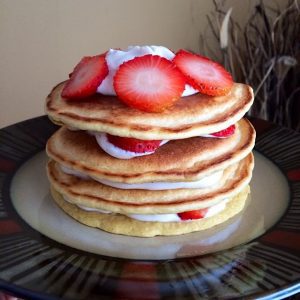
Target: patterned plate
37,267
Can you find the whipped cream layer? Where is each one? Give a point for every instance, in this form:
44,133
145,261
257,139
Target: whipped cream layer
206,182
115,151
213,210
115,58
120,153
213,136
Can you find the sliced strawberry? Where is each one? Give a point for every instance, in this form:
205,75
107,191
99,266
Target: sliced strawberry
150,83
102,54
86,77
193,214
203,74
134,145
225,132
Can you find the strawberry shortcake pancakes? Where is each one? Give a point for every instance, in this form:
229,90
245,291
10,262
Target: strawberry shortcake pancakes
151,142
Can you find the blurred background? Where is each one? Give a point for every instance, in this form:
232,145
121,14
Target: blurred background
42,40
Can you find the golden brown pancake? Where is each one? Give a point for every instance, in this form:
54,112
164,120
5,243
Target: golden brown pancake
178,160
121,224
90,193
190,116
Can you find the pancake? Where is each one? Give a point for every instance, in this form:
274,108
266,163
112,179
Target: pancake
190,116
121,224
92,194
178,160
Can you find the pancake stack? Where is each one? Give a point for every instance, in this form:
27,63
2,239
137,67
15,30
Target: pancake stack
149,195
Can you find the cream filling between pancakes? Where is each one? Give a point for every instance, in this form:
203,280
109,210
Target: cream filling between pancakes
115,151
211,211
206,182
120,153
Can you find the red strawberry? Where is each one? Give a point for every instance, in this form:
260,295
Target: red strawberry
203,74
103,54
86,77
134,145
150,83
193,214
225,132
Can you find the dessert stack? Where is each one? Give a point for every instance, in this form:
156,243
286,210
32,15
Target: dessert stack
151,142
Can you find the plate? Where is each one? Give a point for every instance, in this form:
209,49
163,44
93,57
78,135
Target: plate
38,263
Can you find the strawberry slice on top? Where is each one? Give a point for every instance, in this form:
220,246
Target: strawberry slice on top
193,214
203,74
149,83
86,77
225,132
134,145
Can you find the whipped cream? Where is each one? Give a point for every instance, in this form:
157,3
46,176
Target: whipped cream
120,153
115,58
75,173
213,136
203,183
115,151
155,217
213,210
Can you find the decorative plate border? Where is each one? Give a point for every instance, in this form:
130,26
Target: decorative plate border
36,267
